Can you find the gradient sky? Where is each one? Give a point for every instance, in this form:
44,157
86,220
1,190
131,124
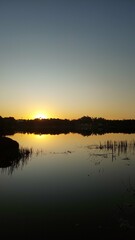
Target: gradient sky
67,58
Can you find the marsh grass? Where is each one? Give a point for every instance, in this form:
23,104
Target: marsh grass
21,159
120,146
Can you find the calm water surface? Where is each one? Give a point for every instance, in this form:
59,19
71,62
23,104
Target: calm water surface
69,183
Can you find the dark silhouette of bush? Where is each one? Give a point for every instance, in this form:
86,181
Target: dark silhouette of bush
11,155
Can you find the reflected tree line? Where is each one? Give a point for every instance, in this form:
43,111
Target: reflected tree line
12,157
85,126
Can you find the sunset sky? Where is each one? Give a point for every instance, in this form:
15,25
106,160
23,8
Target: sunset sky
67,58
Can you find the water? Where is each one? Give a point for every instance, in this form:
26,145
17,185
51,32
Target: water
70,183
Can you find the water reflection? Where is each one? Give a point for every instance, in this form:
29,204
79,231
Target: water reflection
8,165
72,183
115,148
118,146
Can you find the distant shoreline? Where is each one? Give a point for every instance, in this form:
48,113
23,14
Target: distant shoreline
85,126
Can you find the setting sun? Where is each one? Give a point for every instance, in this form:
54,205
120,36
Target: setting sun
40,116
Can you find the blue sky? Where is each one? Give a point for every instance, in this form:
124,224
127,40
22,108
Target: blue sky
67,58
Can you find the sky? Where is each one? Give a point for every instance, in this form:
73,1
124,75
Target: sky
67,58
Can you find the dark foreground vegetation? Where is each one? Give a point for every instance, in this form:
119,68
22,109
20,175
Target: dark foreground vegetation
85,126
11,156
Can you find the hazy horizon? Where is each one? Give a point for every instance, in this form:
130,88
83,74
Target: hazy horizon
67,59
70,119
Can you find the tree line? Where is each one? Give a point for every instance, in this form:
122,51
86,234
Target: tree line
85,125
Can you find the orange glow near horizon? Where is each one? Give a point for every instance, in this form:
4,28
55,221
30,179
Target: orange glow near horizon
40,115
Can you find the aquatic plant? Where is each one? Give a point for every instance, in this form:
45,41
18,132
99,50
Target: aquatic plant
119,146
19,160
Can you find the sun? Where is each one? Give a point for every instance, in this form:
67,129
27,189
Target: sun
40,116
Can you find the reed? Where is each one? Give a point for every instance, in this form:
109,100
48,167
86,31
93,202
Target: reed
120,146
21,159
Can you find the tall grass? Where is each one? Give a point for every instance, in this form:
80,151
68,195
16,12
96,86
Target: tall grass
119,146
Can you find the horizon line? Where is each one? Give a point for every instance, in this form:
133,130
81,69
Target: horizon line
51,118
